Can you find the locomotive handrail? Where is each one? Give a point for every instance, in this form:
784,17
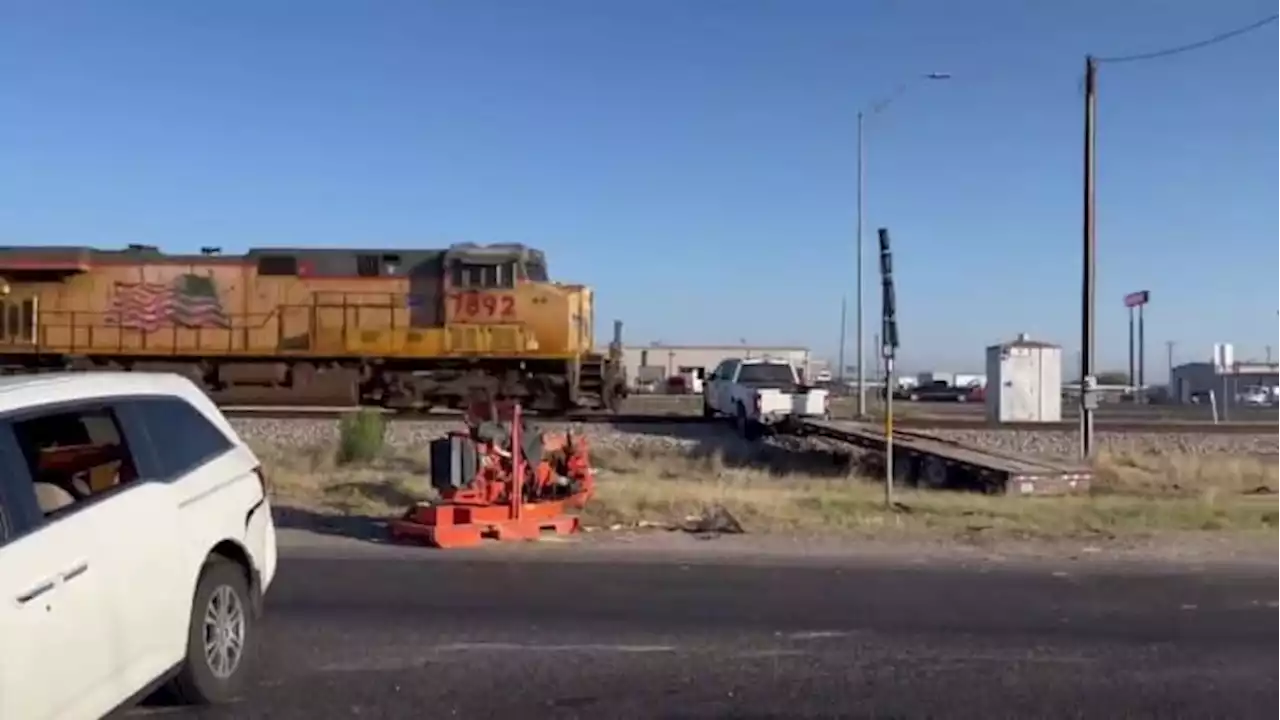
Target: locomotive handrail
74,323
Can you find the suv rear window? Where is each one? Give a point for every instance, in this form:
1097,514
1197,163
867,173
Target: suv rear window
182,438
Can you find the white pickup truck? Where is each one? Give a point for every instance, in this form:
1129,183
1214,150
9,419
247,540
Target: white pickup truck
760,394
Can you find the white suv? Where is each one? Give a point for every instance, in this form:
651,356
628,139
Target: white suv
136,544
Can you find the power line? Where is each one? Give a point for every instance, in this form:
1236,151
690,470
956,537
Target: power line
1191,46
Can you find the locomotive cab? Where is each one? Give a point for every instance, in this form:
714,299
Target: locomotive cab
505,290
24,274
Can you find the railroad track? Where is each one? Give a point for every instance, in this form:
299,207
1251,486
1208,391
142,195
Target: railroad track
305,413
910,422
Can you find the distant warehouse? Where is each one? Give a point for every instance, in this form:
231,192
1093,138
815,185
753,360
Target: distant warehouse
649,366
1192,382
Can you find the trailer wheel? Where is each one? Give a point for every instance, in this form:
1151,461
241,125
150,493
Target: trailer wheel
905,468
934,473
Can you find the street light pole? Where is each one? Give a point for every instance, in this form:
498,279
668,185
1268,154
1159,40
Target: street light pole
860,351
860,347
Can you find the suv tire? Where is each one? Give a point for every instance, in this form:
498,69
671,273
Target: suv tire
213,673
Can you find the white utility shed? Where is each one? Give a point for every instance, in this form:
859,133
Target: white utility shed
1024,381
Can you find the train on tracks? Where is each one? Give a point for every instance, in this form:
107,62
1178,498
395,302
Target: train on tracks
401,328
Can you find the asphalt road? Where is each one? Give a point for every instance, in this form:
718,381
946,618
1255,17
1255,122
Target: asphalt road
467,636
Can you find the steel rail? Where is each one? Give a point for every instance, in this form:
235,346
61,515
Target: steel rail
1118,425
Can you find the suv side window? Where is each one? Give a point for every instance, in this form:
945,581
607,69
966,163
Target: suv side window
179,435
73,455
9,507
18,511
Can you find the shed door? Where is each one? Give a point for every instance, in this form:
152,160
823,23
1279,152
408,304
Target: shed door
1023,385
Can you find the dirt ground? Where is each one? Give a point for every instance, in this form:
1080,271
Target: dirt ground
1192,507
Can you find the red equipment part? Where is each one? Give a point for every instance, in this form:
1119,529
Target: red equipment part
508,497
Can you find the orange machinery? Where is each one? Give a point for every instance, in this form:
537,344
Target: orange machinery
500,480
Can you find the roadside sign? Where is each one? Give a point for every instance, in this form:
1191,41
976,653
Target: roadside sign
1135,299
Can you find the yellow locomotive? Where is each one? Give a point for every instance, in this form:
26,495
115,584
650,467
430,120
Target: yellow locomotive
405,329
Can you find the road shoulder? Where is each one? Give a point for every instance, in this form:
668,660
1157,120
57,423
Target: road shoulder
1254,555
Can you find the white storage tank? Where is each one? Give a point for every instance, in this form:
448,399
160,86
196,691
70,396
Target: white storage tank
1024,381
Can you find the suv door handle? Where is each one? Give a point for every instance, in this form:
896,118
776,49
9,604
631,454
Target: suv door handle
36,592
76,571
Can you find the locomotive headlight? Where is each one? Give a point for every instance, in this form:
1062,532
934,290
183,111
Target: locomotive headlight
4,288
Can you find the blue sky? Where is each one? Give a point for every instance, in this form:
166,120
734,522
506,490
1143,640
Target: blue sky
693,160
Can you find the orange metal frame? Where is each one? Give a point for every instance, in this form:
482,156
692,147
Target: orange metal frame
470,516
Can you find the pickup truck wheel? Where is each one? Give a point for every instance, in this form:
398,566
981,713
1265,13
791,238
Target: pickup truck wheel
707,412
747,428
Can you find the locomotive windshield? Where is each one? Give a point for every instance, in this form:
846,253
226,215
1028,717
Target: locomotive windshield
536,270
495,267
475,275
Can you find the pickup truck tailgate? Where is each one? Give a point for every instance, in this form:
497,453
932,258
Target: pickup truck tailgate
812,403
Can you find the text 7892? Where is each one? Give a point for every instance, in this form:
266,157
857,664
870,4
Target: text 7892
479,305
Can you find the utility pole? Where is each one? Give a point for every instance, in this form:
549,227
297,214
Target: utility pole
844,325
1087,295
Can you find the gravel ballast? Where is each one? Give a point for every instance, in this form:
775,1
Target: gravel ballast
410,435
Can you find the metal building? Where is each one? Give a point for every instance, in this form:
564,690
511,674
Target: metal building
649,366
1024,381
1192,382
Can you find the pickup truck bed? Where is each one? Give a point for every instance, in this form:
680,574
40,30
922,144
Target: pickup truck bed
760,394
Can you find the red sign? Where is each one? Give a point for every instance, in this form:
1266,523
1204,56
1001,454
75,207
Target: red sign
1134,299
482,305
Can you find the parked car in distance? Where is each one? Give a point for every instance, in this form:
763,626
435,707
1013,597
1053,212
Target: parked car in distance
136,544
761,394
941,391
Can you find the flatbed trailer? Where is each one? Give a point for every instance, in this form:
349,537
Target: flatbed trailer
928,461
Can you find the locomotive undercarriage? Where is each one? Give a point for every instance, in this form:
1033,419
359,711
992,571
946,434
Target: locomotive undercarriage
545,386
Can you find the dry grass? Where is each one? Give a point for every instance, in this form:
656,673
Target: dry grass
312,480
1133,496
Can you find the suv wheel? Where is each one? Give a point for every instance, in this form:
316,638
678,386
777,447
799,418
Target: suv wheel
220,639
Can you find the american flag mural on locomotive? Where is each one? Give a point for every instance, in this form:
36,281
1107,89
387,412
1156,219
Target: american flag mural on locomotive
190,301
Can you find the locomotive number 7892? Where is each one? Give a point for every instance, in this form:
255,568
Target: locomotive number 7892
481,306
